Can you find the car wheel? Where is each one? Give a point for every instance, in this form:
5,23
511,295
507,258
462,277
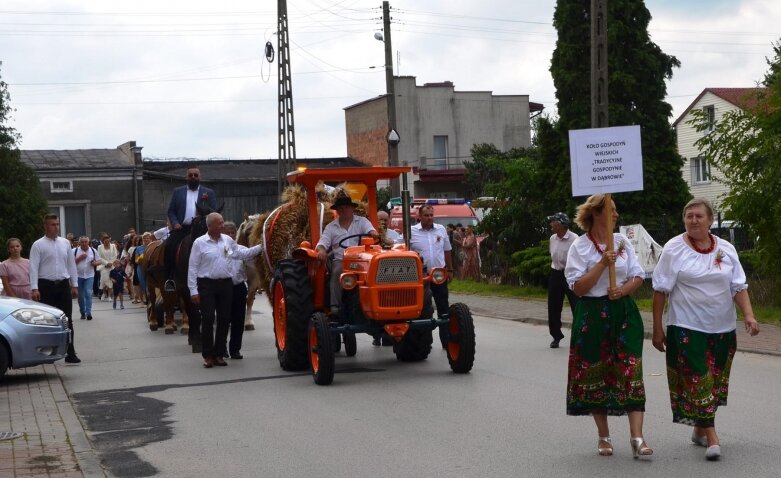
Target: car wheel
5,358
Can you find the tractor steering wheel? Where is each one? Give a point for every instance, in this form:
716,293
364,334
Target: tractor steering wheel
359,236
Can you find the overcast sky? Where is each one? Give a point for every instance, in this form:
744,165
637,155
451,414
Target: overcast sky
190,78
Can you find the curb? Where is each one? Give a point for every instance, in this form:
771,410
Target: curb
648,334
88,460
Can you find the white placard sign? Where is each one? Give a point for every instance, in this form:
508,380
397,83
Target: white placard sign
606,160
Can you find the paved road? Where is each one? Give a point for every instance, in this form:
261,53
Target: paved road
148,408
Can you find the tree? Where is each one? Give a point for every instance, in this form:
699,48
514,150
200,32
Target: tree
637,70
486,167
22,205
744,146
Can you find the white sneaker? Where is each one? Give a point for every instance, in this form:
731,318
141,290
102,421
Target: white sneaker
713,453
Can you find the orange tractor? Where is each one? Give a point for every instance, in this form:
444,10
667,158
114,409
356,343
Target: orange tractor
384,291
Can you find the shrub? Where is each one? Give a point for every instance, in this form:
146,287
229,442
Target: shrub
533,265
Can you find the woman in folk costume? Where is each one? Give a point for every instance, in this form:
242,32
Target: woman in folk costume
700,279
605,372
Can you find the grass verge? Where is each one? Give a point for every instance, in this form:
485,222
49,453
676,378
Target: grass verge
643,298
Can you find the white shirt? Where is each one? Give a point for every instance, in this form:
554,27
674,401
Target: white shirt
393,236
583,256
189,210
161,234
238,272
559,247
84,268
431,244
701,287
334,233
211,259
52,259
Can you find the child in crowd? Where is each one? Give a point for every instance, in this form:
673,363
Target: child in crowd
118,276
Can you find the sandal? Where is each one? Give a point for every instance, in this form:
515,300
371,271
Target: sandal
640,448
605,451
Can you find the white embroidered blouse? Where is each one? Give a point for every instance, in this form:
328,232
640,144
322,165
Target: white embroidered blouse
701,287
583,256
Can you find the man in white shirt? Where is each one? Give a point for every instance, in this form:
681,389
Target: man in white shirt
209,280
181,211
86,260
560,242
347,224
431,241
53,275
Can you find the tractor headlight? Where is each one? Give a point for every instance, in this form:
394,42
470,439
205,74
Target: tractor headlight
438,276
35,317
348,281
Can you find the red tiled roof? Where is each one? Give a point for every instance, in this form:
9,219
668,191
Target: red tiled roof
741,97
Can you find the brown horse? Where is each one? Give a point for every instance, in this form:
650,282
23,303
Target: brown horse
154,271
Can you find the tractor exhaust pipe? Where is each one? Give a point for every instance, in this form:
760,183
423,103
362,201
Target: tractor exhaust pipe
405,203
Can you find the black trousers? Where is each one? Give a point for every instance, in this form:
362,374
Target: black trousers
440,294
58,294
557,289
215,296
171,245
238,308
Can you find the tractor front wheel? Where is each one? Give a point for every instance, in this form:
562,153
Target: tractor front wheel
461,339
321,350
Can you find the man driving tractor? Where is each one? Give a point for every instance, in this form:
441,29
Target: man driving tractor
347,224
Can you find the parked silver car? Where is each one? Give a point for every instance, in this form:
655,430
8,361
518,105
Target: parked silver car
31,334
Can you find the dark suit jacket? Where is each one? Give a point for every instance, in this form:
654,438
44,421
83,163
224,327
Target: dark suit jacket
178,204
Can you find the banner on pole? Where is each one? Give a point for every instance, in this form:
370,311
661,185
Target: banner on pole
606,160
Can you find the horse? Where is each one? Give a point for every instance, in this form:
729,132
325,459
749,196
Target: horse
156,277
154,271
251,271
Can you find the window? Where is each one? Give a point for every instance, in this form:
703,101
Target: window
62,186
73,219
700,171
440,153
710,115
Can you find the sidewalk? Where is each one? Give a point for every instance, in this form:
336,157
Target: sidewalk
41,436
536,312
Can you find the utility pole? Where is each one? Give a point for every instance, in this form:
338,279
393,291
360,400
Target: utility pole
393,149
287,132
599,111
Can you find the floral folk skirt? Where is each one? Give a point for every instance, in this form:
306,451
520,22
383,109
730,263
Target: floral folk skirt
698,367
605,374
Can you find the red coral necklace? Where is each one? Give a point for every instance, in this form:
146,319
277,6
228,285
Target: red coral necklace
596,246
707,250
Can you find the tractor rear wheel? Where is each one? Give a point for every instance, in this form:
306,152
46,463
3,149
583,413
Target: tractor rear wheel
292,302
321,350
414,347
461,339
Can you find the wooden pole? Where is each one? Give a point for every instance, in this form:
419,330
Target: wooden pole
608,209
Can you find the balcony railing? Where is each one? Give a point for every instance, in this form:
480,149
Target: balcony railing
443,164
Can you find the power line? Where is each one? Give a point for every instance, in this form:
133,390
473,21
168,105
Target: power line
173,80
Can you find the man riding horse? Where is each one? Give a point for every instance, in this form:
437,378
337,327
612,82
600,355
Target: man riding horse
181,211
